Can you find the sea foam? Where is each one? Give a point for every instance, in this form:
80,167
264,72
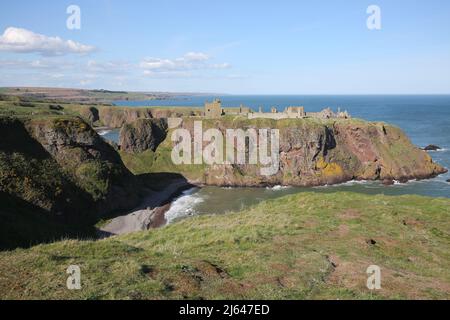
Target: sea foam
277,188
184,206
103,132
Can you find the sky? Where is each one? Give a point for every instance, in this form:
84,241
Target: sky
233,47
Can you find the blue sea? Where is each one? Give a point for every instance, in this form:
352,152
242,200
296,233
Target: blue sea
424,118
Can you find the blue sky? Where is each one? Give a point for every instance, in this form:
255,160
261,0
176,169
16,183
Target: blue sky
241,47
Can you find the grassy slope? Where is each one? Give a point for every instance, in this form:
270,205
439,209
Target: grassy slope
17,107
302,246
79,94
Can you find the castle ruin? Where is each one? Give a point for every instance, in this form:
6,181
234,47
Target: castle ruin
215,110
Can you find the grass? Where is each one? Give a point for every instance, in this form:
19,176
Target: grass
305,246
112,116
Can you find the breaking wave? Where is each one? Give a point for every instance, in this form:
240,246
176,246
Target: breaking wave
103,132
347,183
184,206
277,188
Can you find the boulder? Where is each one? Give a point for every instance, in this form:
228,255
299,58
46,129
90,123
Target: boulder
432,147
90,114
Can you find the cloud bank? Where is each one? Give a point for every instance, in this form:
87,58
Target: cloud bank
20,40
180,67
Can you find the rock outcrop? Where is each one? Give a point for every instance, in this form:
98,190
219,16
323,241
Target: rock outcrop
90,114
432,147
313,153
143,134
62,166
116,117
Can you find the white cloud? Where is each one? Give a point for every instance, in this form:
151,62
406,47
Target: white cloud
160,64
108,67
196,56
25,64
39,64
24,41
221,66
167,74
190,61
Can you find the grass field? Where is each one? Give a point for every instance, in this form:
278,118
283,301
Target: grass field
305,246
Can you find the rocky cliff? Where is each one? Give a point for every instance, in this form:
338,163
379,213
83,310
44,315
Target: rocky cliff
116,117
142,135
311,152
63,167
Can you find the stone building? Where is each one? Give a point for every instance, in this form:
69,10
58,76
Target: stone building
288,113
213,109
295,112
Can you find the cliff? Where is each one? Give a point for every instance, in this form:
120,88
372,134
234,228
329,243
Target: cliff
62,170
87,159
116,117
142,135
311,153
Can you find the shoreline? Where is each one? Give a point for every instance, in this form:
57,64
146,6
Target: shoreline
149,214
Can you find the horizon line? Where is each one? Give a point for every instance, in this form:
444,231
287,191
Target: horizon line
228,94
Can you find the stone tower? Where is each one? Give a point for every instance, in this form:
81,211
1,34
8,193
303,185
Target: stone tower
213,109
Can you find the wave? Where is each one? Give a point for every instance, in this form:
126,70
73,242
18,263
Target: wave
103,132
277,188
439,150
347,183
184,206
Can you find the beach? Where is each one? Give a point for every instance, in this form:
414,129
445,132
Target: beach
149,214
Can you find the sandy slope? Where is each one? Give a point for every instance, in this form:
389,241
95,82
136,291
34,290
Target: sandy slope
149,214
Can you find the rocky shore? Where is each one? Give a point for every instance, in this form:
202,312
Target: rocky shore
149,214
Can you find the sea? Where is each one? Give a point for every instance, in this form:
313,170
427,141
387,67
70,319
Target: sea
424,118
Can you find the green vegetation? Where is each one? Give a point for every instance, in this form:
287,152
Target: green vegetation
57,175
79,95
304,246
160,161
24,225
57,178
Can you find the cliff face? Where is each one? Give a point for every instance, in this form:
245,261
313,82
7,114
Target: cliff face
63,167
314,152
142,135
116,117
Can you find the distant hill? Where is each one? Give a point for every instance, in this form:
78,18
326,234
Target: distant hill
86,96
